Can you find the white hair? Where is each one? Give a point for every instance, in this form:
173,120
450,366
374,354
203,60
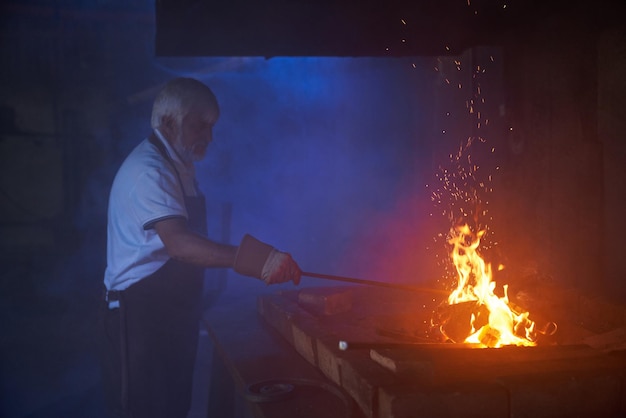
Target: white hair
177,98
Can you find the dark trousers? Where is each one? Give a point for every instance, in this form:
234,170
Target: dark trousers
149,346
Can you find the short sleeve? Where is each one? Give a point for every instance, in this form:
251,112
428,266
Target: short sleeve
157,195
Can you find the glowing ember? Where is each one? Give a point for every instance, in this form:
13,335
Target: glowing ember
504,326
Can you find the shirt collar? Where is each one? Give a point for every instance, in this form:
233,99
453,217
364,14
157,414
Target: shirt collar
181,167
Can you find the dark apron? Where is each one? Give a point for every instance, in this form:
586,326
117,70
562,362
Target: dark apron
158,332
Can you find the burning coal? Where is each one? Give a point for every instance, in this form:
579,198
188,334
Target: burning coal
474,313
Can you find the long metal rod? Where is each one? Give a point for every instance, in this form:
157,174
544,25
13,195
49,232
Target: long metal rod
374,283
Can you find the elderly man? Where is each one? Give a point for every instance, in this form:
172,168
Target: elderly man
156,252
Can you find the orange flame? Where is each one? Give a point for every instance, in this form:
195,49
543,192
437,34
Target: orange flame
505,327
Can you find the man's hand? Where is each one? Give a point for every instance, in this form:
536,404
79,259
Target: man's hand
258,259
279,268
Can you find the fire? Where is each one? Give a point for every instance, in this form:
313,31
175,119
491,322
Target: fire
493,322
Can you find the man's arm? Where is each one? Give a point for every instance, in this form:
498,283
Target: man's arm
185,245
251,258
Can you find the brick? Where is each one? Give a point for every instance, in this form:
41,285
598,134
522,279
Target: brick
329,359
270,309
479,400
304,344
362,379
403,362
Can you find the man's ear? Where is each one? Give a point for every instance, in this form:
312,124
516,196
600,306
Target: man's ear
168,127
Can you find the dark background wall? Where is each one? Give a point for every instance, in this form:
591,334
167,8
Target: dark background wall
340,160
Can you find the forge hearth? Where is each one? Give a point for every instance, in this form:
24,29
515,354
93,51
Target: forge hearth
395,365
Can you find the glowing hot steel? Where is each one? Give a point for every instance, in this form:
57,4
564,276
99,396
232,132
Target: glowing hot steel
502,326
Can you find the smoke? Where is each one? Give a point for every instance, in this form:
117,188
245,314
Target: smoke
326,158
318,156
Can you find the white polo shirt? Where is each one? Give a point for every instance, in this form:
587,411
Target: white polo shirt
146,189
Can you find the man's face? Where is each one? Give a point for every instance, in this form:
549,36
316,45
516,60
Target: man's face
196,133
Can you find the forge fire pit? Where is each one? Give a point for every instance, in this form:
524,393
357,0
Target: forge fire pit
394,364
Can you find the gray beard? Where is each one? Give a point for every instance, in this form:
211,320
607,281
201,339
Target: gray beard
186,155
